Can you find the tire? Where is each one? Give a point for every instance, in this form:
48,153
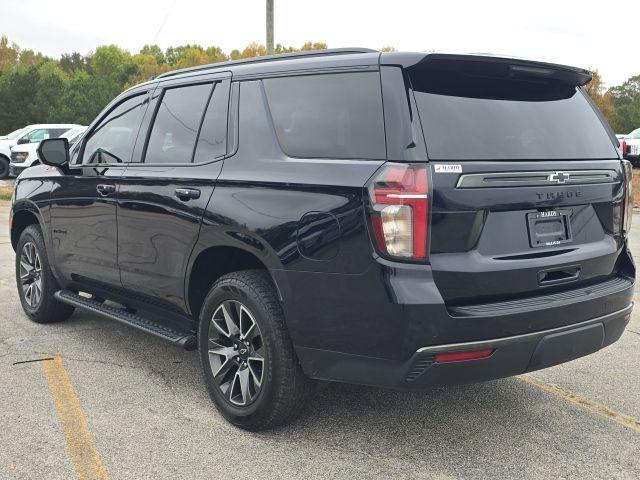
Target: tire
4,167
283,390
42,308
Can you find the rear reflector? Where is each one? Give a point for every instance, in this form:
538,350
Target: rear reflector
459,356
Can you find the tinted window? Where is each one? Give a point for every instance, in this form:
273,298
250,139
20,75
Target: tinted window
328,116
174,131
212,141
485,118
113,139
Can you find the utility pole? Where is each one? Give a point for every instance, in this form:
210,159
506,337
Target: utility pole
270,27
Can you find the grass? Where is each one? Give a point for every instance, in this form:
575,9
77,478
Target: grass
6,192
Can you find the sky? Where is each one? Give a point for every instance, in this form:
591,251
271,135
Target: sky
594,35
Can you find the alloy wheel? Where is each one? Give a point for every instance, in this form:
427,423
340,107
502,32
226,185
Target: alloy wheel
31,275
236,353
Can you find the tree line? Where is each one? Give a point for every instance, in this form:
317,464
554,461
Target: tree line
74,88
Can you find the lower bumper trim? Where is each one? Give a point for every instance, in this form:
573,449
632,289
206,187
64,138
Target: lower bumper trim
512,356
501,342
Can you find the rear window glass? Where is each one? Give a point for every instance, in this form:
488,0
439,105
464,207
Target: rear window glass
328,116
484,118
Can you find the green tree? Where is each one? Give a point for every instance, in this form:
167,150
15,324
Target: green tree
71,63
18,91
173,55
216,54
314,46
626,102
75,88
192,57
111,63
85,98
51,85
9,54
602,99
155,51
147,67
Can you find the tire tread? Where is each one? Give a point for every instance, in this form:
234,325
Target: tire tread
293,389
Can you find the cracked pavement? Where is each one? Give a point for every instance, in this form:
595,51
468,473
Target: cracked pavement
151,417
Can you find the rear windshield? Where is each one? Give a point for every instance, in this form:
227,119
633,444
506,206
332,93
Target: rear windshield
485,118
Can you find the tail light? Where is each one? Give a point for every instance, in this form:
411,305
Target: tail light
399,211
624,148
628,196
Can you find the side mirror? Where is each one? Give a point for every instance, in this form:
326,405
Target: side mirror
23,140
54,151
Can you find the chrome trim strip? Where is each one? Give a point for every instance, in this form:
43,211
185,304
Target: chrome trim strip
495,343
535,179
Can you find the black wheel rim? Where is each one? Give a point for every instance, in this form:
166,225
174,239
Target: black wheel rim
31,275
236,353
4,168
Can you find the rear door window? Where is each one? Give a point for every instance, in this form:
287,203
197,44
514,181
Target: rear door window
212,139
483,118
328,116
177,123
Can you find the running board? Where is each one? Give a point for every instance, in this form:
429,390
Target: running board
183,339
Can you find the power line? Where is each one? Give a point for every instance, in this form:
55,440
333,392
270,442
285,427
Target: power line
164,21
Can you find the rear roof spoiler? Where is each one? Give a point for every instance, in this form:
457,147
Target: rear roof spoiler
489,65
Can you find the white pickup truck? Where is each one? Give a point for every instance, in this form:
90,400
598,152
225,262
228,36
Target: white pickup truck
29,134
25,156
630,145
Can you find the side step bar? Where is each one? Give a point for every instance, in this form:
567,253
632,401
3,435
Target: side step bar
184,339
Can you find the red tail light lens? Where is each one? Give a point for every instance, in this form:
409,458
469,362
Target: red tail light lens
628,196
624,149
459,356
399,195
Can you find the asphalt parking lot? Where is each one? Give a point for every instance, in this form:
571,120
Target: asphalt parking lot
102,400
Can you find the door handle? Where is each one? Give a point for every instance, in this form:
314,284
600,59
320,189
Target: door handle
187,193
106,189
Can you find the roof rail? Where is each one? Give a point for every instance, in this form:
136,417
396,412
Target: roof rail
270,58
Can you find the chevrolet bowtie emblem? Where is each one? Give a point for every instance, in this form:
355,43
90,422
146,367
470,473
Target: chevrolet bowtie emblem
559,177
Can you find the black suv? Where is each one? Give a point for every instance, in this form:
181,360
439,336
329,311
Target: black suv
392,219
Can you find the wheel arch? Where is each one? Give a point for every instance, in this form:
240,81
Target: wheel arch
212,263
24,214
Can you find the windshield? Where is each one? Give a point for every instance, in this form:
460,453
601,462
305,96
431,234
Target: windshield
15,134
467,117
635,134
70,134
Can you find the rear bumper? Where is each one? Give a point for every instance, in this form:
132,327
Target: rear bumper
512,355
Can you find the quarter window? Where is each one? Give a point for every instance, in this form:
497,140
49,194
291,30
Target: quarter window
328,116
113,139
175,128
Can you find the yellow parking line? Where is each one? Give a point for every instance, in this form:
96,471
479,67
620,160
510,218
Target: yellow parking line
74,424
623,419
